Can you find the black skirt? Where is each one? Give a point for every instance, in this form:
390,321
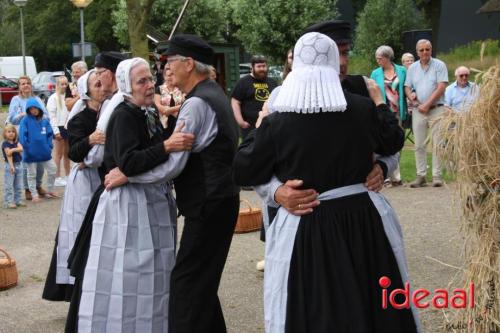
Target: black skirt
77,260
53,291
340,253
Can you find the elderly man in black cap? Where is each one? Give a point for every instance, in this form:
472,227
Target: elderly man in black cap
302,201
206,193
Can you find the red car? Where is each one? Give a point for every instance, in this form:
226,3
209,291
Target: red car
8,89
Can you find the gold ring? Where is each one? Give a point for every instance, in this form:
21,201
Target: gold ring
300,206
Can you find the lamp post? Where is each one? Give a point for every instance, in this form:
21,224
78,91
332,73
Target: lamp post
21,4
82,4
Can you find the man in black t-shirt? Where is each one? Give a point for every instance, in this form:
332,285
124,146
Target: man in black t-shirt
250,93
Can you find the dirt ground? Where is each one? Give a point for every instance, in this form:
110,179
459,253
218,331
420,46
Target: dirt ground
426,215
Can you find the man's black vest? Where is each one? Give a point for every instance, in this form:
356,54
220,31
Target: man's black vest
208,174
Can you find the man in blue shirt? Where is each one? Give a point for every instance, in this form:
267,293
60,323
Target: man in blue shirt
462,93
426,81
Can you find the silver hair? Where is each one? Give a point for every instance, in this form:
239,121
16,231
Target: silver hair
385,51
461,68
201,68
80,64
407,55
422,41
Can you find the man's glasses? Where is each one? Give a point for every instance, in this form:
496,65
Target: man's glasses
463,75
172,59
422,50
99,72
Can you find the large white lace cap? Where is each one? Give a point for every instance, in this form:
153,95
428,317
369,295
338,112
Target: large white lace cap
313,85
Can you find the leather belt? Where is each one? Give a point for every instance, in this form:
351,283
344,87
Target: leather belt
436,105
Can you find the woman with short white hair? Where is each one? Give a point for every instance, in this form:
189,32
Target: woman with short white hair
391,78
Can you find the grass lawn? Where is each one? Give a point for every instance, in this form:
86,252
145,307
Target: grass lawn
408,168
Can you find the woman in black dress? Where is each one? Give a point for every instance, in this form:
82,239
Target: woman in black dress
323,269
81,185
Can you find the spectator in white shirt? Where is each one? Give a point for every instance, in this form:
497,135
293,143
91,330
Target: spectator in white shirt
58,114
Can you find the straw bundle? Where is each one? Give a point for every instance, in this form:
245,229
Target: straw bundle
472,147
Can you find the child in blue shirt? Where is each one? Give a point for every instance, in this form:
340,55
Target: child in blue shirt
35,134
13,171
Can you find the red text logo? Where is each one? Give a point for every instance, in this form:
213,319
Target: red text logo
422,298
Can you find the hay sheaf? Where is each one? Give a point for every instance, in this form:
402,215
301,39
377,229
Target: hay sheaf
471,147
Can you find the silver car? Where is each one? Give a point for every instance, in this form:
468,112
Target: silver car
44,84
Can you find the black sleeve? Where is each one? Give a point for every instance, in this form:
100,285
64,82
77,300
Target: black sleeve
383,166
239,90
254,162
78,138
68,92
389,136
125,144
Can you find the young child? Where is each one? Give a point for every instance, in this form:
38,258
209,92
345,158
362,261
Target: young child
13,175
35,134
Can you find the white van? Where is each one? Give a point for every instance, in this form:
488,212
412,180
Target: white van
12,67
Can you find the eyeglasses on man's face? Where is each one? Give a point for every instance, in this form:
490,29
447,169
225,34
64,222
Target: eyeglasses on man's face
425,49
99,72
463,75
175,58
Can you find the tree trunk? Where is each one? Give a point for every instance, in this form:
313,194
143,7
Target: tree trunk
138,13
432,11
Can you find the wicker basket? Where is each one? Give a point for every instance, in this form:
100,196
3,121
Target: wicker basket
8,271
248,219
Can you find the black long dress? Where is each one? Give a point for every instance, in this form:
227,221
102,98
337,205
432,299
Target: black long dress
79,128
77,260
340,251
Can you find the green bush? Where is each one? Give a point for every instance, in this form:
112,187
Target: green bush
382,22
470,55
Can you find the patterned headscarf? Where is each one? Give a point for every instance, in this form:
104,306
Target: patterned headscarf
314,84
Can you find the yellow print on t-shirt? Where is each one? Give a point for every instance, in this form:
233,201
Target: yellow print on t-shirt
261,91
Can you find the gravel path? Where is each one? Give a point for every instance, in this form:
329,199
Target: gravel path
430,230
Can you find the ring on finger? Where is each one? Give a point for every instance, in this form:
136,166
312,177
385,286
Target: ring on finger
300,206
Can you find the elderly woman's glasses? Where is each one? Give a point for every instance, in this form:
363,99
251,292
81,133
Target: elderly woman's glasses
145,80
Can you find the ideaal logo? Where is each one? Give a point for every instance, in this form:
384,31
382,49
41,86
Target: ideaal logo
460,298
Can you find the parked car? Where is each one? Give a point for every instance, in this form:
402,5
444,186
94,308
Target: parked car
8,89
245,69
276,73
44,84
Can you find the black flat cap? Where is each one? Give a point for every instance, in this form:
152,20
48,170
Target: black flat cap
191,46
339,31
109,60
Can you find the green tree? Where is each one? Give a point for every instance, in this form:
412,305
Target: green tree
164,13
432,12
382,23
51,27
271,27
